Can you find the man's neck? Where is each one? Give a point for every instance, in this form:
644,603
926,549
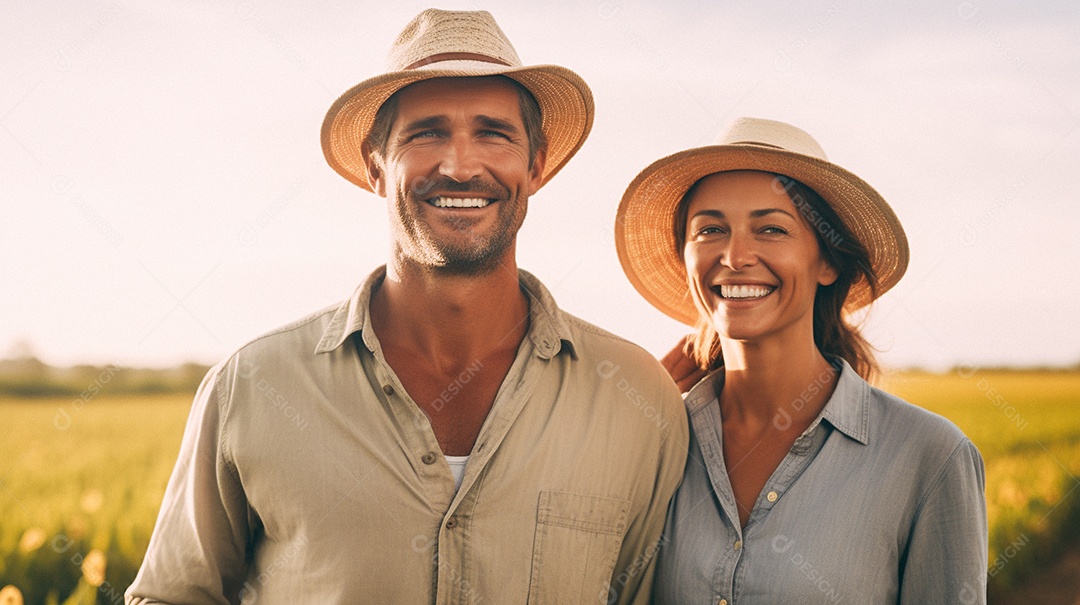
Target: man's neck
450,319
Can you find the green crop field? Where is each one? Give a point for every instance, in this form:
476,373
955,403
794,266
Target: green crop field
77,476
80,476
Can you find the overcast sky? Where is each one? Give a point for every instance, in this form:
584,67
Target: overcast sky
163,194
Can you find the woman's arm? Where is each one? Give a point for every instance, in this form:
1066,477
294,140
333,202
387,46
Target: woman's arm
946,556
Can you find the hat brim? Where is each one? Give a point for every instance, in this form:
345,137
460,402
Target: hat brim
644,226
566,108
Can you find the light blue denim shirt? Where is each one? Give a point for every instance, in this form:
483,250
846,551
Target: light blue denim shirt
878,501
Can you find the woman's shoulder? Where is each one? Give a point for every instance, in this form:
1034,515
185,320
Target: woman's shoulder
905,429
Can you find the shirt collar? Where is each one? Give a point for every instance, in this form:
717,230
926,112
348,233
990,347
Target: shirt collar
352,315
548,329
848,409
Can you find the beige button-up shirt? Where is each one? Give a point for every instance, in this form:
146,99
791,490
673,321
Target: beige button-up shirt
308,475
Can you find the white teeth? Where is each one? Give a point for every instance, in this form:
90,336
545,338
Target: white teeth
744,291
460,202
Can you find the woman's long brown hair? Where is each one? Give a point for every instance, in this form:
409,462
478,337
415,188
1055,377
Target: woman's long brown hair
834,335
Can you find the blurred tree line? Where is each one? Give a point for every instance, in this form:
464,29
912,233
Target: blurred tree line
23,375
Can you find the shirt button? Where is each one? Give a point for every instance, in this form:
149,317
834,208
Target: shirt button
451,523
772,496
428,458
722,602
738,544
388,389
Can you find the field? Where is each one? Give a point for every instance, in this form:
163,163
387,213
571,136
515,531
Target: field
82,475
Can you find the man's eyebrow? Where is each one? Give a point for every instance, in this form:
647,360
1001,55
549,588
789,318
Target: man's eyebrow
422,123
497,124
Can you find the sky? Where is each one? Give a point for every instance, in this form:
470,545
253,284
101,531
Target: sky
164,197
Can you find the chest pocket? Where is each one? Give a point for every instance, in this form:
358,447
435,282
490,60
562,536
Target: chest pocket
577,542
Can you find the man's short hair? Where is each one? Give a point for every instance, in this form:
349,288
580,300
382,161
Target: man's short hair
530,115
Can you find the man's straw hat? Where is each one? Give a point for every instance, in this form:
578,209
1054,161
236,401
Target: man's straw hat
644,225
441,44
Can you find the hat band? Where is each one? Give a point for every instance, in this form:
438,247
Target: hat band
455,57
756,143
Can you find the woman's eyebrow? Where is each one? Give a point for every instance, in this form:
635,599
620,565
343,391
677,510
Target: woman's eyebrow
753,214
767,211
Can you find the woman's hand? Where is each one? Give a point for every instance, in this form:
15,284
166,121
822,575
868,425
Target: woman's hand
683,369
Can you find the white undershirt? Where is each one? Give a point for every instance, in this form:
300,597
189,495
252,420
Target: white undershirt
457,467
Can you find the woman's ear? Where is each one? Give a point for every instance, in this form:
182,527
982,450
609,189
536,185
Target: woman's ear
827,274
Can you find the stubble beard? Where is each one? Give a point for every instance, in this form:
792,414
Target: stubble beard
474,251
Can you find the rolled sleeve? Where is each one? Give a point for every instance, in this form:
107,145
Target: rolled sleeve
198,549
947,553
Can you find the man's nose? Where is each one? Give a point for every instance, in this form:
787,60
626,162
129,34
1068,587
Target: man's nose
461,161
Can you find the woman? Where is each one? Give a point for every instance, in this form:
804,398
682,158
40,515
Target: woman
804,484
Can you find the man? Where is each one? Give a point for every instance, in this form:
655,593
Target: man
446,435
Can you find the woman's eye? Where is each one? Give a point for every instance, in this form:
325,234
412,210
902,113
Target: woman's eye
708,230
774,229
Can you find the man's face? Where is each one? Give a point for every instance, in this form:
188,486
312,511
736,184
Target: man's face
456,174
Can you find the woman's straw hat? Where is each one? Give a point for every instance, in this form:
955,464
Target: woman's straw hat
441,44
644,226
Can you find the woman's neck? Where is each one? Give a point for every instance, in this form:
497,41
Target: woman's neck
774,383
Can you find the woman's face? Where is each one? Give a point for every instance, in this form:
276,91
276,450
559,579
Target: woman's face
752,261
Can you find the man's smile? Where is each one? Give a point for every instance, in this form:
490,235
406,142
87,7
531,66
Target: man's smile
459,202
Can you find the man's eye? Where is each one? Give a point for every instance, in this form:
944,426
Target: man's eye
494,133
423,134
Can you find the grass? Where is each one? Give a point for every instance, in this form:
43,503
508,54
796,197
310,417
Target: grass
76,476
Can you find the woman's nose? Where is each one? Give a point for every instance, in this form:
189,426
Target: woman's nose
739,252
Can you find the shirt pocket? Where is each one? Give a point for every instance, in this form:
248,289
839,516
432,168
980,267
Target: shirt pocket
577,542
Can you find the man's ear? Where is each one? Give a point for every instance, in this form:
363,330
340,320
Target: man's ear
373,163
536,171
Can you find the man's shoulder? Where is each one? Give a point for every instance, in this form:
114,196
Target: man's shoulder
593,341
300,336
634,376
589,340
610,356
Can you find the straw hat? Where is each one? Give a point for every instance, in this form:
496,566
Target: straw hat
644,225
440,44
